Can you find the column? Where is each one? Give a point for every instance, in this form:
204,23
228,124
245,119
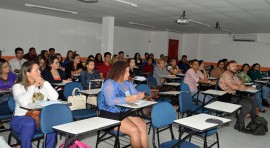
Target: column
107,34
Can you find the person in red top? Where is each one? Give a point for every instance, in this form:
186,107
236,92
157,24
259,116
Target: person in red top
106,66
148,67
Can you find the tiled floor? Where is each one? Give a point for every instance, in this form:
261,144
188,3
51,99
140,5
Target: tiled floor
229,138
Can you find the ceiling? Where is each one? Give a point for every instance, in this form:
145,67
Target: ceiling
238,16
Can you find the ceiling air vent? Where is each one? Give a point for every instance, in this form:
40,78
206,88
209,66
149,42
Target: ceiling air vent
245,38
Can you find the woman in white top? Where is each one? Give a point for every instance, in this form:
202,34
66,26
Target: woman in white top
173,68
30,88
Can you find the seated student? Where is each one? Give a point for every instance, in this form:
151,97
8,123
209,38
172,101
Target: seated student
31,55
134,71
42,62
98,60
74,67
159,71
115,58
15,63
89,74
230,83
148,67
243,76
195,75
138,60
54,74
7,80
105,67
216,72
173,68
28,86
116,90
61,62
152,56
255,74
183,64
68,58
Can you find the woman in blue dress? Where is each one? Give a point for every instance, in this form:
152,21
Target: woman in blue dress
118,90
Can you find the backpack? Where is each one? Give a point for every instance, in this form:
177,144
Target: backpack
258,126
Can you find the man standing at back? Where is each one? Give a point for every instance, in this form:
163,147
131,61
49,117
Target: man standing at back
16,63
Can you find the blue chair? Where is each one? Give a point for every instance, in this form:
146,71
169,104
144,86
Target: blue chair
163,116
184,87
151,81
6,113
81,113
38,135
68,88
52,115
146,89
111,132
143,88
186,106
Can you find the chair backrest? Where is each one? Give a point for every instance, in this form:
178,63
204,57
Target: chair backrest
11,103
68,88
143,88
162,114
99,101
184,87
53,115
151,81
185,102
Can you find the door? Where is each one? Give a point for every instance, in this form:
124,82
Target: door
173,49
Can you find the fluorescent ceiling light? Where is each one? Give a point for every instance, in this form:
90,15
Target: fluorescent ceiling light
127,3
139,24
50,8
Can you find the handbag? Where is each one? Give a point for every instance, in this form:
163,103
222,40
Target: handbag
76,144
146,112
35,115
77,102
37,97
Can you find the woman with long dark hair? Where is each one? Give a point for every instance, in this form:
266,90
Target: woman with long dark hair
75,67
243,76
98,60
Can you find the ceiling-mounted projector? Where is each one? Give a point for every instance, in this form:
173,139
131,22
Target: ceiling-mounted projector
182,21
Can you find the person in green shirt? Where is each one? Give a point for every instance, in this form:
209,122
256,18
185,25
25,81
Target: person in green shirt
243,76
255,74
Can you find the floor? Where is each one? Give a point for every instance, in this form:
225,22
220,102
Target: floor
229,138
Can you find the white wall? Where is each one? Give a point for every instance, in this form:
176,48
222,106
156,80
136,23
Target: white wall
190,46
42,32
22,29
158,43
130,41
213,47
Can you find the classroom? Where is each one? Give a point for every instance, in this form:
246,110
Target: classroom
133,73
